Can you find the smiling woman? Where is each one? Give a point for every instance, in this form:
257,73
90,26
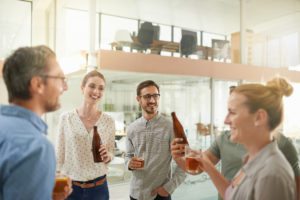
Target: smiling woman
75,135
254,111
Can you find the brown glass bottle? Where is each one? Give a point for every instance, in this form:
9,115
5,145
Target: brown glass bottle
96,146
178,129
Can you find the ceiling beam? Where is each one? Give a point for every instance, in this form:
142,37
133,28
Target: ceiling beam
151,63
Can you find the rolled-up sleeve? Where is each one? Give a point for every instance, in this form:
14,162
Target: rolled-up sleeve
177,178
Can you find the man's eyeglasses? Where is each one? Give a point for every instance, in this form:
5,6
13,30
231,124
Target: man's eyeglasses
64,79
149,96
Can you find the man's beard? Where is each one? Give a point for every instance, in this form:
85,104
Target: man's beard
151,108
50,106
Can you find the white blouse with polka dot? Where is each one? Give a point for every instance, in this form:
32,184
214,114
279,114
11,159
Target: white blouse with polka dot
74,143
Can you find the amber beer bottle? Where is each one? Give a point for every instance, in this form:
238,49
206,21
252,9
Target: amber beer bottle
178,129
96,146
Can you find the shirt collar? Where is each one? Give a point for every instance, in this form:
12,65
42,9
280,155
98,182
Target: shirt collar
20,112
227,133
251,167
153,120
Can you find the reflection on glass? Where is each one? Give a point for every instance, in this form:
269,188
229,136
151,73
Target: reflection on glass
221,94
275,34
165,32
76,31
15,25
291,125
207,38
111,24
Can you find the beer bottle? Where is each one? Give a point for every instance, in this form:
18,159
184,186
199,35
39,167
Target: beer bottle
178,129
96,146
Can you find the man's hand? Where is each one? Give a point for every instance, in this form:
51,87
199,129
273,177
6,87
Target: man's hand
177,149
135,163
160,191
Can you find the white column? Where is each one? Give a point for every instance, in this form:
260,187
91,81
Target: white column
243,32
92,60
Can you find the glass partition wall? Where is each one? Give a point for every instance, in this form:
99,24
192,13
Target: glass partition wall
188,96
266,38
15,26
15,32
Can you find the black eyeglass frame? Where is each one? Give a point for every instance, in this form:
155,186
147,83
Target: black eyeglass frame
148,97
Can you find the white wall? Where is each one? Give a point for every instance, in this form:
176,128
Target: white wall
3,92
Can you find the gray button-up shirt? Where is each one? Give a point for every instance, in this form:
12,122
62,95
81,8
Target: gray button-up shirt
267,177
153,138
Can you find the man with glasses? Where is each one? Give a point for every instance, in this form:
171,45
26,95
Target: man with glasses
34,81
151,136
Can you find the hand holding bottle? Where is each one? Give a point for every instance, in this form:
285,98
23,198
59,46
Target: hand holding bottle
104,153
177,148
96,146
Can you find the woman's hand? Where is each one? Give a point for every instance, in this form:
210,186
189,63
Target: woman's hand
104,154
205,163
192,164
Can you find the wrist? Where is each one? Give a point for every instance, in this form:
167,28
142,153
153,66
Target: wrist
108,159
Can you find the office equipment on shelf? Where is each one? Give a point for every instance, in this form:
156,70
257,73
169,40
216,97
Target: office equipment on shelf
145,35
221,49
202,129
122,38
156,32
155,50
188,43
160,45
